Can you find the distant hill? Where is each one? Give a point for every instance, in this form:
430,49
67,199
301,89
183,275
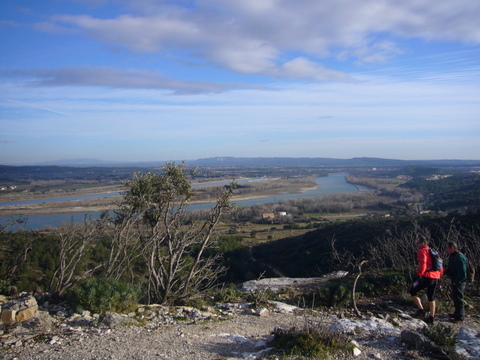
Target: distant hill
269,161
326,162
310,254
78,162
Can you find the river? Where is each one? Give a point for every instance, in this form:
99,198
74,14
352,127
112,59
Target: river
112,194
333,183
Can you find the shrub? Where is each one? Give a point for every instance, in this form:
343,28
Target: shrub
100,295
229,243
318,342
5,287
335,293
196,303
442,335
383,282
261,297
228,293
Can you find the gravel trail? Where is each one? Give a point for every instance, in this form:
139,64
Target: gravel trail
218,339
238,337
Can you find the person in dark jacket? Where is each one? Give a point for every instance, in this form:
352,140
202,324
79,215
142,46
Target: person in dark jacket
457,272
427,279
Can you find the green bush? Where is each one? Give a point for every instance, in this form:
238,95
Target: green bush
261,297
383,282
442,335
197,303
336,292
311,342
228,293
100,295
229,243
5,287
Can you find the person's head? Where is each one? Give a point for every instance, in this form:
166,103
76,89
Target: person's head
451,247
421,242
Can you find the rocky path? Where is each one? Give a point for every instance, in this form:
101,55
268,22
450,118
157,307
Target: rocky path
211,340
223,332
237,334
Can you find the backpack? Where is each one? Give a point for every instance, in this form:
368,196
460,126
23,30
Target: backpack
437,261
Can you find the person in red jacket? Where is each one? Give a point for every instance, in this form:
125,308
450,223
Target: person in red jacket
428,279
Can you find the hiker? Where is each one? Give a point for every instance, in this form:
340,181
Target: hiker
428,279
457,272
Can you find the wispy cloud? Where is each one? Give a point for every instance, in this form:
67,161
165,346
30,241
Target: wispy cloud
116,78
23,104
253,39
8,23
250,78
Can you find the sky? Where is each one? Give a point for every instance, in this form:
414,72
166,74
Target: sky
160,80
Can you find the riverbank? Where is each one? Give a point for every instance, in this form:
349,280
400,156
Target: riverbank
111,203
53,214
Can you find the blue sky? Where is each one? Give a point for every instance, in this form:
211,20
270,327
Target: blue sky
159,80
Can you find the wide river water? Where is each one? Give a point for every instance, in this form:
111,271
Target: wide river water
333,183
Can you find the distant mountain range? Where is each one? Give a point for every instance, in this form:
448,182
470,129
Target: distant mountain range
272,161
327,162
77,162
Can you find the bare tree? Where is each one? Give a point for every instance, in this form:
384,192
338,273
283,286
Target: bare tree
344,259
468,241
396,249
125,245
14,253
14,250
354,287
173,246
347,261
10,222
74,240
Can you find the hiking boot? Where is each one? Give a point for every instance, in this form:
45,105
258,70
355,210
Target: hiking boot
429,320
453,316
420,313
456,321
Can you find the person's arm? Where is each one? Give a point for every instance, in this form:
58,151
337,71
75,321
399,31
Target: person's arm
460,269
422,262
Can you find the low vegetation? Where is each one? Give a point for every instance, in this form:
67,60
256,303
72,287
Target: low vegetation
310,342
446,338
442,334
99,295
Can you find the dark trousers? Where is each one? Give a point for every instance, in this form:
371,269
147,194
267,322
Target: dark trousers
458,300
425,283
